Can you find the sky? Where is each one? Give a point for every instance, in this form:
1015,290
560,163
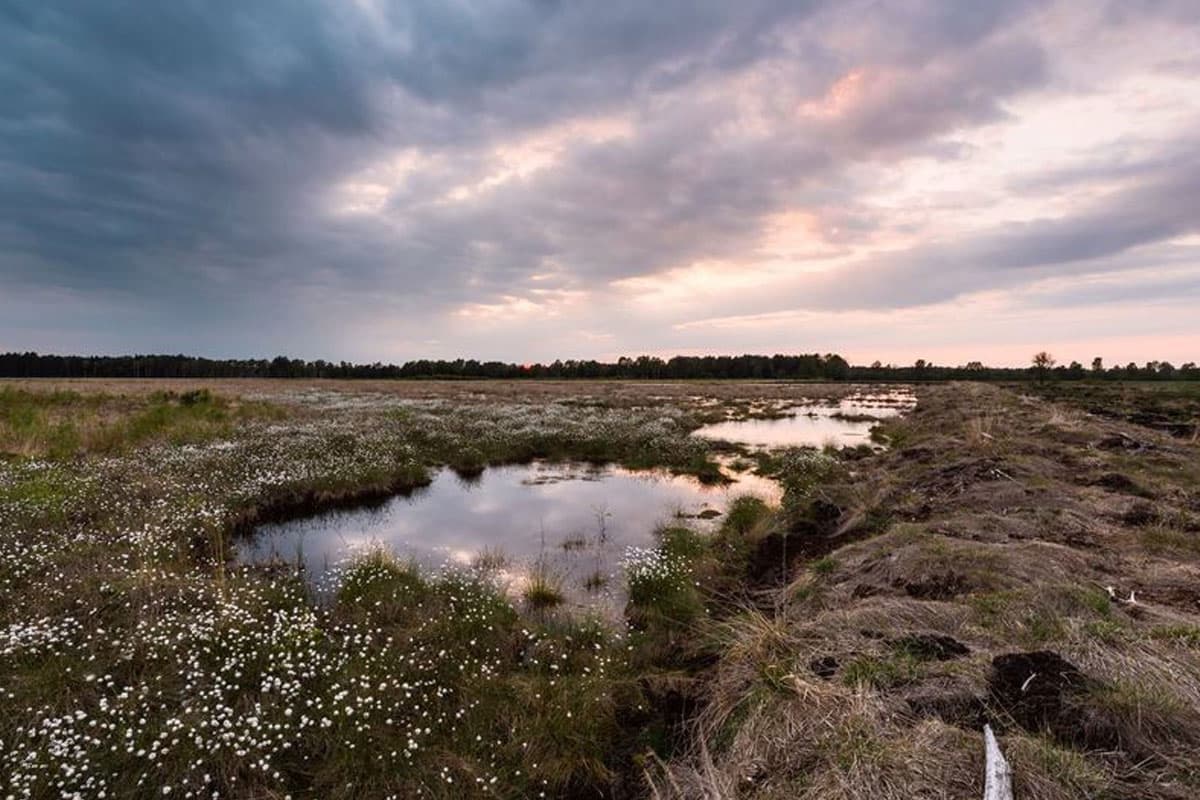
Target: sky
536,179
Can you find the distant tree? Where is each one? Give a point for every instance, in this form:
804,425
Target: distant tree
1042,363
836,367
800,366
1097,365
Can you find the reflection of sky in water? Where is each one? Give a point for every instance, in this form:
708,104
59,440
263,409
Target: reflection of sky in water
525,511
814,425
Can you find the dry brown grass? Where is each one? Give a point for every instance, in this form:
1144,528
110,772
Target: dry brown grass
998,544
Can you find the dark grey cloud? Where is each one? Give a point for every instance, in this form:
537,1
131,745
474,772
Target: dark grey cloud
180,159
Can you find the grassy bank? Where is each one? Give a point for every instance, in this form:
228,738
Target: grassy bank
1009,561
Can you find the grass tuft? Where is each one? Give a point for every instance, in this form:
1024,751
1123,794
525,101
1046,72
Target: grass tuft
543,590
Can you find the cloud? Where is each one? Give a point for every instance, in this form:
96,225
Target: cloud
439,165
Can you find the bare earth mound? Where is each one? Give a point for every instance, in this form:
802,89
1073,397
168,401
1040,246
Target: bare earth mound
1005,562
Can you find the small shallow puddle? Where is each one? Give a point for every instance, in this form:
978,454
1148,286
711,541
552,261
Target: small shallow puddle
845,423
576,520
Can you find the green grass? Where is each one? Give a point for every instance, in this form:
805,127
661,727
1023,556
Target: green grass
1070,769
1183,635
664,599
825,565
880,672
1106,630
743,515
682,542
45,490
1094,600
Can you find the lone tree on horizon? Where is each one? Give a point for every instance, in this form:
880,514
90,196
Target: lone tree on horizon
1042,362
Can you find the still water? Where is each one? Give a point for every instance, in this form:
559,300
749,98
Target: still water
840,424
572,521
576,520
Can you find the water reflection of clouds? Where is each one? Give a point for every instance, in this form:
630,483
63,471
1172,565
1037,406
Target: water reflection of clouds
815,424
525,512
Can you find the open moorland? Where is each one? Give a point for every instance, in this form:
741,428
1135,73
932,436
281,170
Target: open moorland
1022,556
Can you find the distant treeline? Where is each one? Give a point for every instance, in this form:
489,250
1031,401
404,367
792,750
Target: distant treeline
778,367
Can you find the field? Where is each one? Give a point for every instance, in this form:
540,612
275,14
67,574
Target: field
1024,556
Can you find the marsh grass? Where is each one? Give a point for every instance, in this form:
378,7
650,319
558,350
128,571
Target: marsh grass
490,560
822,694
573,543
61,424
206,678
543,590
395,681
824,565
1160,539
595,581
118,605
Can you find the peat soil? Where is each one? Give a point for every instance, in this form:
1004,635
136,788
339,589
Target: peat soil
1170,407
1009,560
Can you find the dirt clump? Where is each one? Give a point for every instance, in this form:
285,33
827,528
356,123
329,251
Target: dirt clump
1036,690
1139,515
1123,484
1120,441
824,667
935,586
959,708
